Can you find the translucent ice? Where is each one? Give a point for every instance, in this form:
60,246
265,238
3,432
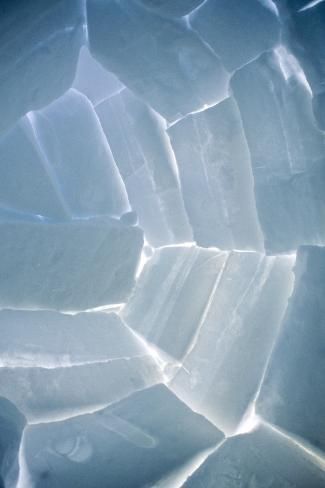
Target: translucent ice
133,443
40,43
76,265
261,459
12,423
293,391
160,60
170,8
52,339
216,177
145,159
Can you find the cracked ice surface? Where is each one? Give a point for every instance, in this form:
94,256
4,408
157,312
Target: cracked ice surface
162,209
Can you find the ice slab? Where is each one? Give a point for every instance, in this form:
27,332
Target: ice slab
160,60
52,339
287,153
77,265
26,184
226,25
223,366
261,459
93,80
216,177
162,307
40,43
293,393
170,8
49,394
131,444
12,424
142,152
76,150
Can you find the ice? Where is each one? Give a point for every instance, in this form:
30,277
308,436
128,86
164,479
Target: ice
52,339
160,60
161,307
26,185
49,394
261,459
93,80
77,265
76,149
86,450
12,423
40,43
229,328
238,31
142,152
287,153
170,8
216,177
293,393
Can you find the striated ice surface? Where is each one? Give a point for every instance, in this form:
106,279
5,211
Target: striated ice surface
238,45
40,44
263,459
215,172
12,424
141,149
287,154
162,243
224,337
67,266
159,59
297,368
109,444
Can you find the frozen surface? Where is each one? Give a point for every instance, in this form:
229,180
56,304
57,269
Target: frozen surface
170,8
296,372
52,339
238,45
88,449
93,80
160,60
287,154
141,149
67,266
79,158
215,172
40,43
45,394
12,424
261,459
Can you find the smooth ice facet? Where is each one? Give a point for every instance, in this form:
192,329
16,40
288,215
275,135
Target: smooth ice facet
131,444
69,266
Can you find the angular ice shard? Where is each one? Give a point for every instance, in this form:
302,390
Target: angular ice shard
12,424
160,60
287,152
259,459
26,184
170,8
305,36
39,47
170,297
93,80
223,366
142,151
46,394
52,339
130,444
293,393
216,178
75,148
218,313
76,265
238,31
